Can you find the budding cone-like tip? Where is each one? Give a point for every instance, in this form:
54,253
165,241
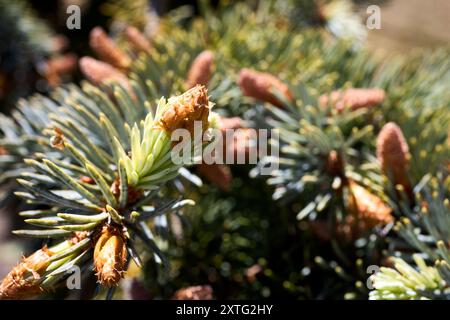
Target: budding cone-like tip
107,49
393,154
182,111
110,256
260,85
201,69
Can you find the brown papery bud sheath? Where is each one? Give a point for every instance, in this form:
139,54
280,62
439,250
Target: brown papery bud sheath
261,85
22,281
201,69
107,49
110,256
393,154
137,39
184,110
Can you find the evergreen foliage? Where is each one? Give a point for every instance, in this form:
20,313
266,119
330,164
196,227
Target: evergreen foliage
362,171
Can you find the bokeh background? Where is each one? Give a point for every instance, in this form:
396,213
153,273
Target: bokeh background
407,25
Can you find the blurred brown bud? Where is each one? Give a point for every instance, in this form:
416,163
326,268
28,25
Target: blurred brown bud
218,174
201,69
393,154
137,39
244,142
354,98
367,207
194,293
59,66
365,211
99,73
261,86
59,42
107,49
252,272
